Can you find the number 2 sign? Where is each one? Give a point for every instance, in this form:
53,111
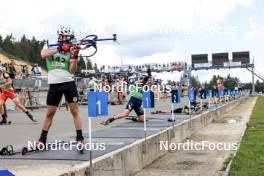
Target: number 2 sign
176,96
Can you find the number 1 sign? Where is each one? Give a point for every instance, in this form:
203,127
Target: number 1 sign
148,102
148,99
97,104
6,173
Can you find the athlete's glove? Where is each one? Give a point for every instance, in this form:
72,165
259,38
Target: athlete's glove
65,47
75,51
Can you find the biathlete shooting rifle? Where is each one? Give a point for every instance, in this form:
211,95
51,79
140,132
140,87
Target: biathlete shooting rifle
86,42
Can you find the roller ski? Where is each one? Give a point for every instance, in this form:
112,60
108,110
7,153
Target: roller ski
5,122
80,146
134,118
30,116
40,147
8,151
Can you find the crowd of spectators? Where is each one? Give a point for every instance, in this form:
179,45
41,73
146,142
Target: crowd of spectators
10,69
117,86
23,73
173,66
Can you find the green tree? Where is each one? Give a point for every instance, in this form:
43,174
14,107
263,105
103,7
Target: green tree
26,49
89,64
206,85
259,86
8,46
231,82
1,41
95,67
195,83
213,82
81,65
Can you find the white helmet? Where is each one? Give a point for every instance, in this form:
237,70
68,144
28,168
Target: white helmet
65,31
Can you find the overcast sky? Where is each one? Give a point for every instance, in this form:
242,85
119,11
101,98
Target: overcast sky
154,31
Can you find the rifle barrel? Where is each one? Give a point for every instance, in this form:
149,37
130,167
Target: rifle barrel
87,40
105,39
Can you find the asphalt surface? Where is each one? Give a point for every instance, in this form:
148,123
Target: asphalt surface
23,130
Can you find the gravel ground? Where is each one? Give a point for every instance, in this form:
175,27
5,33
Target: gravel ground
226,129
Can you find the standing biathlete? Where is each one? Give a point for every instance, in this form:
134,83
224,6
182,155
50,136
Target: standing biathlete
62,64
9,92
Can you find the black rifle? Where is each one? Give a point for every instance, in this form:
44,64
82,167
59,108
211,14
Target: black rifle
87,42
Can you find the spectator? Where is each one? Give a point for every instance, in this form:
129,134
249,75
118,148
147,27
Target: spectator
11,70
24,71
92,84
6,67
36,70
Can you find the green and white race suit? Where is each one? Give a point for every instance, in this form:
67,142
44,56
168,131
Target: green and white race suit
58,68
